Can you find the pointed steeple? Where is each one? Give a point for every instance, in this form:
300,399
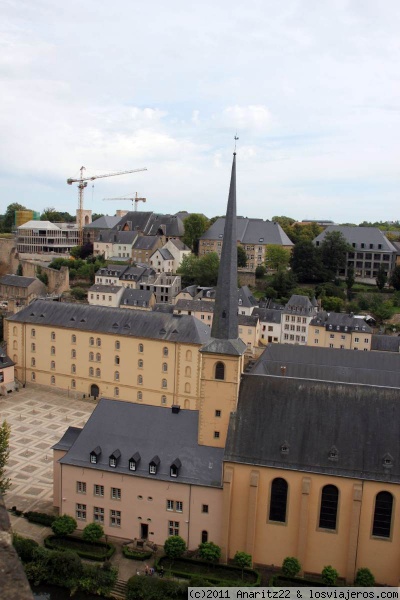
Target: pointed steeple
225,320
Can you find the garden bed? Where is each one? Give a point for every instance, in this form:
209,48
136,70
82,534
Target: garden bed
91,551
219,574
135,554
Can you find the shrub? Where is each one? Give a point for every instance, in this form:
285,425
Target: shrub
24,547
92,532
89,550
364,578
98,579
329,575
78,293
209,552
260,272
136,554
242,559
291,566
64,568
149,588
174,546
41,518
64,525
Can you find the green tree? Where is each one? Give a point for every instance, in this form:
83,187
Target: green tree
9,216
195,225
329,575
64,568
276,257
364,578
303,232
306,262
174,546
64,525
242,560
260,271
201,270
350,280
93,532
5,432
283,283
332,304
381,278
78,293
50,214
395,278
333,253
291,566
241,257
209,552
19,270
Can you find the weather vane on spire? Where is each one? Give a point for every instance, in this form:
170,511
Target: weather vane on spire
236,138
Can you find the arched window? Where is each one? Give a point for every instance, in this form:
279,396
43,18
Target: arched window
163,399
15,345
73,353
98,357
278,501
14,330
383,515
91,356
15,359
117,345
53,380
164,383
73,339
188,355
53,335
33,362
91,372
53,350
204,536
73,368
73,384
33,332
116,360
33,376
187,388
140,363
140,379
187,403
188,372
140,348
116,375
329,506
52,365
220,371
165,351
98,342
98,373
91,341
33,347
116,391
165,367
140,396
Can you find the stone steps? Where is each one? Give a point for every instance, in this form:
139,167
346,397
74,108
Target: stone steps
119,590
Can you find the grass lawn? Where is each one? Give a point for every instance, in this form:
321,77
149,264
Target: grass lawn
200,569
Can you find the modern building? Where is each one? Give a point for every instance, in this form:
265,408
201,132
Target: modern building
44,237
338,330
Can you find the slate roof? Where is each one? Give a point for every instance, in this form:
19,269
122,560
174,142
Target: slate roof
136,273
112,270
161,307
145,242
68,439
267,315
385,343
136,297
358,236
299,305
311,419
115,321
340,322
246,297
248,320
169,225
117,237
104,222
250,231
190,289
166,254
17,281
179,245
5,361
151,431
136,220
107,289
195,305
329,364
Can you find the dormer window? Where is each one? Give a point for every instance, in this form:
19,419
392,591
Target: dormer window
153,465
284,449
387,461
114,458
174,468
95,455
333,454
134,461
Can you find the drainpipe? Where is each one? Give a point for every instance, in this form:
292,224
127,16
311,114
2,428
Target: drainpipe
188,522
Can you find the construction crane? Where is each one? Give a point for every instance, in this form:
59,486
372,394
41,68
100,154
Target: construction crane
82,183
135,200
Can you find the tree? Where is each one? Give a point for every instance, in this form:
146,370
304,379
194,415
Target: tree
5,431
381,278
241,257
306,262
260,271
9,216
350,280
395,278
276,257
201,270
209,552
303,232
332,304
195,225
329,575
78,293
364,578
333,252
64,525
50,214
93,532
291,566
283,283
174,546
242,560
19,270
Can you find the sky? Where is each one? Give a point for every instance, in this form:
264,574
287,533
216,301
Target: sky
311,87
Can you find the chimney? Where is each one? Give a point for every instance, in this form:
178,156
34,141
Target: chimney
176,408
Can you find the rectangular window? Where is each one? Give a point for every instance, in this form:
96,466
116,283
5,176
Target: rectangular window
173,527
356,339
98,490
80,512
204,508
98,514
217,413
366,340
216,435
179,506
152,469
81,487
116,493
170,505
332,335
115,518
93,459
316,341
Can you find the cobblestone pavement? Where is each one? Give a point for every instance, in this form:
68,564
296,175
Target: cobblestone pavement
38,417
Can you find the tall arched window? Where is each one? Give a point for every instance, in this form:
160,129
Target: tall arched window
140,348
52,365
91,356
15,345
187,403
73,384
116,391
165,351
53,380
163,399
98,373
383,515
98,342
73,368
91,341
188,372
116,360
53,335
14,330
165,367
188,355
73,353
204,536
73,339
187,388
140,379
140,363
278,501
117,345
98,357
33,376
33,347
33,332
33,362
116,375
220,371
164,383
53,350
329,506
91,372
139,396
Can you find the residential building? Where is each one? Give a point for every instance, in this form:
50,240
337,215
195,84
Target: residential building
196,292
44,237
92,230
105,295
164,287
144,247
110,275
133,275
169,258
255,235
295,319
246,301
115,245
371,250
7,378
20,291
200,309
137,299
270,324
338,330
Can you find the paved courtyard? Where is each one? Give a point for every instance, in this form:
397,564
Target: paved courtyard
38,417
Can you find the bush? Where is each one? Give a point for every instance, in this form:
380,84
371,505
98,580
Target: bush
271,293
291,566
97,579
89,550
24,547
78,293
149,588
64,525
329,575
174,546
92,532
364,578
136,554
41,518
242,560
260,272
209,552
64,568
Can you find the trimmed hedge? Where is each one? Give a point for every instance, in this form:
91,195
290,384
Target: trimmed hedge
91,551
280,580
136,554
209,572
40,518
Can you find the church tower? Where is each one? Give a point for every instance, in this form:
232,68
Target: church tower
222,356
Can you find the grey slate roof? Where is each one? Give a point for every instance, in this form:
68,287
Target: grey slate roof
136,273
385,343
115,321
136,297
360,235
5,361
17,281
312,418
151,431
145,242
107,289
329,364
68,439
136,220
179,245
299,305
245,297
248,320
117,237
165,253
267,315
104,222
250,231
340,322
168,225
161,307
112,271
195,305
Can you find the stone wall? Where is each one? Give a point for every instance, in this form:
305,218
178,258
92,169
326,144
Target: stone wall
247,278
58,280
8,254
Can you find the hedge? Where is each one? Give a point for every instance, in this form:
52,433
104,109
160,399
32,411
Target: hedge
136,554
208,572
41,518
280,580
82,548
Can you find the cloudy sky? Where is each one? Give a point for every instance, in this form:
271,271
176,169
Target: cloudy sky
312,88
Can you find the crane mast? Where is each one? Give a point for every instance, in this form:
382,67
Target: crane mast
82,183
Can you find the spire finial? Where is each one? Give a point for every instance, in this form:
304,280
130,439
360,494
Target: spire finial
235,138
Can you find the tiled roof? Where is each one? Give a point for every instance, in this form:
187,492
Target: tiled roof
104,222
